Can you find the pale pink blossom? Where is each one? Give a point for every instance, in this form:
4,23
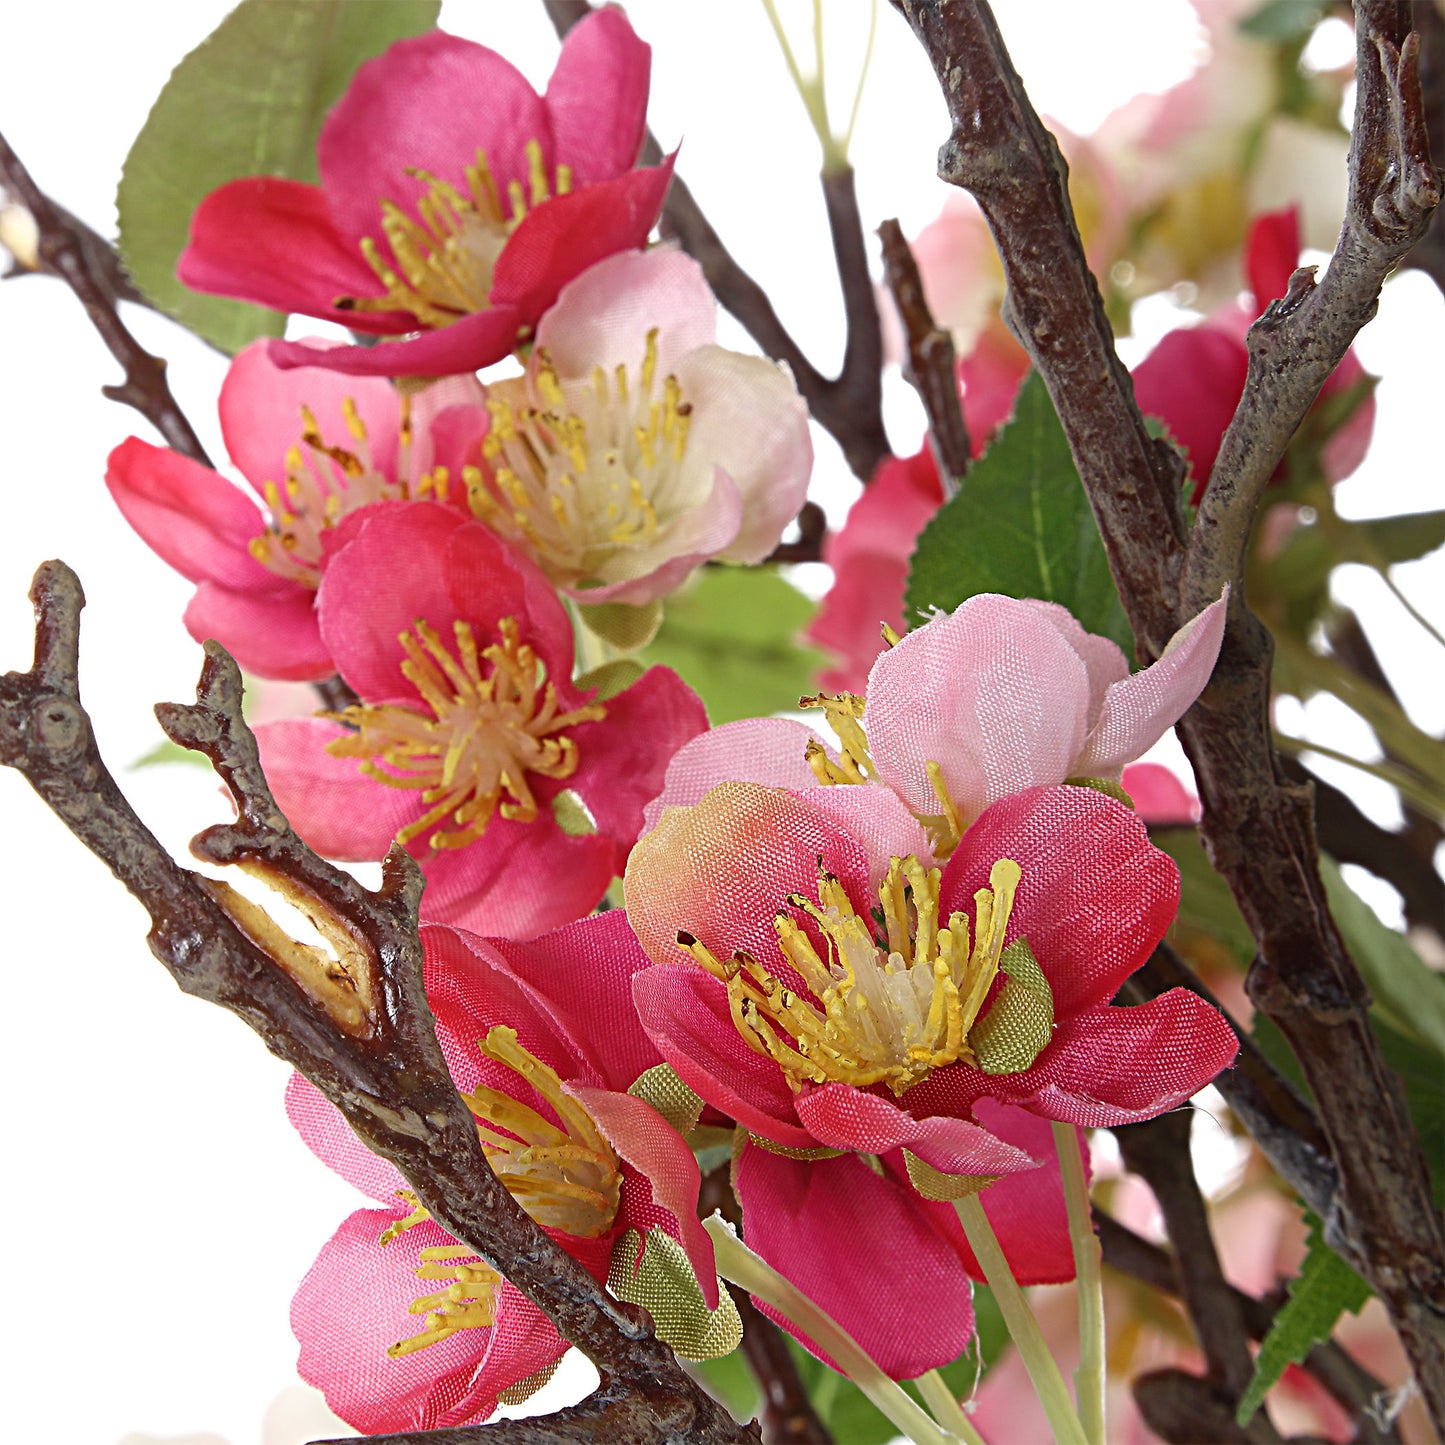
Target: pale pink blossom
635,448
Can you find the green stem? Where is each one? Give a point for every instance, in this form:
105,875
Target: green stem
1427,798
1408,605
736,1262
946,1409
1089,1377
1023,1328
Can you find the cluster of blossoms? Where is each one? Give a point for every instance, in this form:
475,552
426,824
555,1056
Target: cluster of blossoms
883,964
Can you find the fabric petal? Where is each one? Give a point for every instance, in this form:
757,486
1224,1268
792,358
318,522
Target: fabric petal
325,1132
189,515
1159,797
860,1248
1138,711
466,345
271,634
271,241
597,96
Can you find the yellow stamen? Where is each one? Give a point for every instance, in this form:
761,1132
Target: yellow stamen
477,735
844,712
573,475
883,1010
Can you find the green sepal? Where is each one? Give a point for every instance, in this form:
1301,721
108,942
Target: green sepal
571,815
1106,786
934,1184
1020,1024
625,627
609,679
661,1087
663,1283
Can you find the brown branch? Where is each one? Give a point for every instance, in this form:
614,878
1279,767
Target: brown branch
65,252
1158,1152
1347,1380
358,1026
808,547
1258,828
1182,1408
849,406
930,366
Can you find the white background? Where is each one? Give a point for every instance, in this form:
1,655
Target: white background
161,1210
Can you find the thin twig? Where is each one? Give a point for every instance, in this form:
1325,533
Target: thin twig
358,1027
65,252
849,406
930,367
1349,1382
1258,828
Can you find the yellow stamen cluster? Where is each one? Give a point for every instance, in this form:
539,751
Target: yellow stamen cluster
844,712
884,1009
565,1176
441,266
489,719
323,483
571,479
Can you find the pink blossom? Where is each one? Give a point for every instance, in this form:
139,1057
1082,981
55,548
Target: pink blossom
469,730
741,897
635,448
1159,797
1001,695
539,1024
454,201
316,447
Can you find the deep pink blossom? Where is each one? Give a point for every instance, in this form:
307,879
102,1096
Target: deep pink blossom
1001,695
317,448
559,1005
469,730
765,908
635,448
454,201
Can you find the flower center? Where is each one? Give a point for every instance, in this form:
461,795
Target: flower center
564,1175
441,265
889,1005
573,480
323,483
844,712
489,719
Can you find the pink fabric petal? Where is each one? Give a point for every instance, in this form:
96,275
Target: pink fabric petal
1120,1065
1138,711
1345,450
1271,253
1159,797
428,102
272,241
271,634
750,420
190,516
869,558
455,436
563,237
517,879
1192,381
602,317
859,1247
353,1305
1027,1209
990,376
625,756
335,807
332,1140
766,750
685,1012
1095,896
466,345
261,405
1103,660
662,1190
993,694
597,96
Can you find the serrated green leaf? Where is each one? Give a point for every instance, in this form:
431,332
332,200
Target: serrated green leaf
731,635
1323,1290
1410,996
1020,525
249,100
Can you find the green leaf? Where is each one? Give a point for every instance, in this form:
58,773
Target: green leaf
166,751
1325,1288
1206,906
730,633
248,101
1281,20
1410,996
1420,1071
1020,525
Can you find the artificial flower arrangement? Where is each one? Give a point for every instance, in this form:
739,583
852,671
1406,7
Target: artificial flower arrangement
679,1029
